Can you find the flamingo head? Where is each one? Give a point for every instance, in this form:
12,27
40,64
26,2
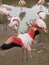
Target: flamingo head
40,24
14,22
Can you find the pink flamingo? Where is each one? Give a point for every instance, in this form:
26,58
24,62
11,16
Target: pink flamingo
22,40
40,24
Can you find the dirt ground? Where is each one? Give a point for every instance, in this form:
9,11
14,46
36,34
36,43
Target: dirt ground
40,52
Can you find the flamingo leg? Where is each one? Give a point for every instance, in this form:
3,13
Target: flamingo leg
22,53
26,54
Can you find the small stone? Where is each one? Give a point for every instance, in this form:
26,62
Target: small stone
34,49
39,52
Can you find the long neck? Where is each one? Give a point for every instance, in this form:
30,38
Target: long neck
18,28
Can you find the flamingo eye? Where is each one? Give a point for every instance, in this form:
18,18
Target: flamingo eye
14,20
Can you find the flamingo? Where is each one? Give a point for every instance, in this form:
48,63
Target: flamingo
22,40
40,24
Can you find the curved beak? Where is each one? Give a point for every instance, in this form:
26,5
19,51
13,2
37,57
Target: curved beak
46,30
12,24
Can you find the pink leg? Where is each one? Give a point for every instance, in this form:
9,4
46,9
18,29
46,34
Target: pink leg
24,54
